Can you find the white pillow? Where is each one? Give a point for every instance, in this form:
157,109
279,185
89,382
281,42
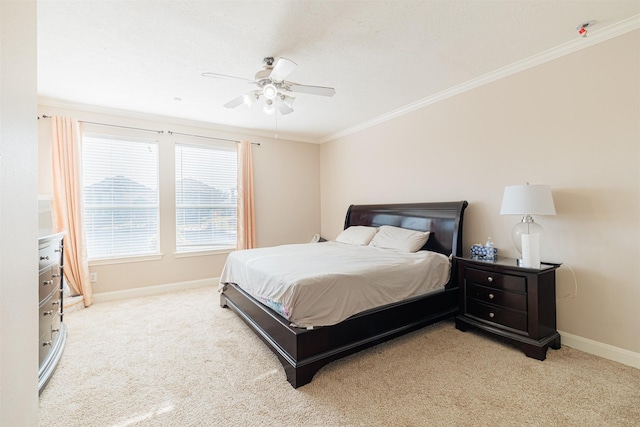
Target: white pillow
390,237
359,235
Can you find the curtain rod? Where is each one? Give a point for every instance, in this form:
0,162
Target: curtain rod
208,137
44,116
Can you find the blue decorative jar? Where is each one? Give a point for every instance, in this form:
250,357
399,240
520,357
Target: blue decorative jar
483,253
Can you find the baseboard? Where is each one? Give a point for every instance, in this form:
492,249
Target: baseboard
607,351
154,290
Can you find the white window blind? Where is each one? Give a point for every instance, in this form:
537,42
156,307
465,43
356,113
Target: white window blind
120,200
206,197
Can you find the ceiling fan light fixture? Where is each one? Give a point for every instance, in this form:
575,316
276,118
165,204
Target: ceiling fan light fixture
270,91
269,108
249,99
270,83
285,104
288,100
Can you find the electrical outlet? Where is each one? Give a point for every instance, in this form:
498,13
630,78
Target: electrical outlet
93,277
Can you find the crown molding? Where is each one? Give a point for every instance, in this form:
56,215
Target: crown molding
165,120
595,37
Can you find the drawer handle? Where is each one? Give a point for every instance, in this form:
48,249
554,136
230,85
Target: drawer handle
46,343
57,250
44,258
490,279
48,313
491,296
53,331
491,315
55,275
55,302
47,283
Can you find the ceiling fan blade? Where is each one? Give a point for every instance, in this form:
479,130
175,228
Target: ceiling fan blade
312,90
224,76
281,69
235,102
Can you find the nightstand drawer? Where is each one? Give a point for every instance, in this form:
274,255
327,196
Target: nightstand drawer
495,280
512,300
511,319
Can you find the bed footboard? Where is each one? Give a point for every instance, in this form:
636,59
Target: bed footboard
303,352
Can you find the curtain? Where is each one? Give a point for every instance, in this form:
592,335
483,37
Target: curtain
67,203
246,209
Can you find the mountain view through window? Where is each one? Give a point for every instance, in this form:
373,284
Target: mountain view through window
120,197
206,197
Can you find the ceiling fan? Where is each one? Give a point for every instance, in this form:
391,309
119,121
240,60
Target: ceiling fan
273,86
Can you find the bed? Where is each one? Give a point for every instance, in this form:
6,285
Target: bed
302,352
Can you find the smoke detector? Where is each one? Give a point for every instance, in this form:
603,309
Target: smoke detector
582,28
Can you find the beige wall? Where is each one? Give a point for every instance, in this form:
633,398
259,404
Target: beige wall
287,191
572,123
18,216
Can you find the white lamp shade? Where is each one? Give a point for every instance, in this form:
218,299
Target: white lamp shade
527,200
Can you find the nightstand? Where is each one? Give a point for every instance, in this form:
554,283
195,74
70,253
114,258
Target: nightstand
512,302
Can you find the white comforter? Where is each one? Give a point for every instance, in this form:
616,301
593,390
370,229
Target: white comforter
321,284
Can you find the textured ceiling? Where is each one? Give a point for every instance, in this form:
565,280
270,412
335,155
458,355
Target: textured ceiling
148,56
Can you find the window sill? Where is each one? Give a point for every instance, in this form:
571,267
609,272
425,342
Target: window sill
107,261
203,253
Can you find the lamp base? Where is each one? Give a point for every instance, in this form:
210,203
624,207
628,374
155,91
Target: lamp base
530,251
523,264
526,226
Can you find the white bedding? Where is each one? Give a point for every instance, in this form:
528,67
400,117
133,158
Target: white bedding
321,284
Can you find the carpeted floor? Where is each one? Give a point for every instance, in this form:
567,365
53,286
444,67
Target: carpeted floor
180,360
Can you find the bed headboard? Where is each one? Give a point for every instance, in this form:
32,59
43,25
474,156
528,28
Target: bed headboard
442,219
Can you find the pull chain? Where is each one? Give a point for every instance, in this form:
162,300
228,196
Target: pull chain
276,117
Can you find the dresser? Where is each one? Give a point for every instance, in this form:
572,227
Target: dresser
511,302
53,332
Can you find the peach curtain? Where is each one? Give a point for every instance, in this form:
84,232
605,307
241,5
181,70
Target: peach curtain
67,203
246,208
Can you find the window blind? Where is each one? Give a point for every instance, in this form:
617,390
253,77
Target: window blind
206,197
120,196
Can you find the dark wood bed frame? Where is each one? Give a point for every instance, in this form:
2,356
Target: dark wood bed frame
303,352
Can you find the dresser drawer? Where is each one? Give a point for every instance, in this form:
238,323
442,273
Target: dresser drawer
49,311
49,255
55,327
512,319
49,281
495,280
512,300
44,345
47,337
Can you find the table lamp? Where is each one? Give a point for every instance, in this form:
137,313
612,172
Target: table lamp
527,200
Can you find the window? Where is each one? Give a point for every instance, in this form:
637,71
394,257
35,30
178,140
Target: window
120,201
206,197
